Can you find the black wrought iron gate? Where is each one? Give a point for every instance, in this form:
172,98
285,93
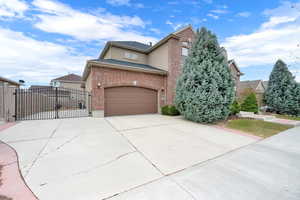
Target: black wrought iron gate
51,103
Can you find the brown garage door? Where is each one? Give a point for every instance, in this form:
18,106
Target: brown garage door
129,101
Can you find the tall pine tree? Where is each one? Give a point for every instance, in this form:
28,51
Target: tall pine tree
205,89
283,92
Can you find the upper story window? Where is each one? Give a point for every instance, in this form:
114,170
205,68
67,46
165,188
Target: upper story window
184,51
131,56
55,83
185,44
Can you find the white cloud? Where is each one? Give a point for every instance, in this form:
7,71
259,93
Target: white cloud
155,30
274,21
277,38
244,14
12,8
34,60
125,3
118,2
213,16
175,26
219,11
59,18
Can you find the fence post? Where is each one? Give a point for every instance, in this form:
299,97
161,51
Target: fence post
16,104
90,104
56,103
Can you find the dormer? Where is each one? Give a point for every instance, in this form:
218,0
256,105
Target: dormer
128,51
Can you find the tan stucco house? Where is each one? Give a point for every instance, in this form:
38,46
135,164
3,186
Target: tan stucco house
8,82
135,78
254,86
71,81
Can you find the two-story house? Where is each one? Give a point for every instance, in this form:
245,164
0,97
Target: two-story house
134,78
71,81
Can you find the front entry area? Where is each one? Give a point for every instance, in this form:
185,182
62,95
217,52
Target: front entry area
129,101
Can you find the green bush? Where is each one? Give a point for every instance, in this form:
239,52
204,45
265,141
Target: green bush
250,104
165,110
169,110
235,108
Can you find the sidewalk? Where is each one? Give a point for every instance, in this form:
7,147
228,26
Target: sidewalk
270,118
12,185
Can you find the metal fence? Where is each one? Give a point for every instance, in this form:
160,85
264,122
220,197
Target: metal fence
51,103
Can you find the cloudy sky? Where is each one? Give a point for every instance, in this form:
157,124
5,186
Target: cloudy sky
44,39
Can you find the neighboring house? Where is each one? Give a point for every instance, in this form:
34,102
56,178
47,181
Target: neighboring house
134,78
255,86
265,83
8,82
235,71
71,81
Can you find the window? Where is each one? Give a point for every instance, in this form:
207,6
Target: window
55,84
184,51
185,44
130,55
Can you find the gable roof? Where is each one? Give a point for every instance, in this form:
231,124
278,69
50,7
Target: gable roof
69,78
141,47
132,44
249,85
232,62
119,64
265,83
9,81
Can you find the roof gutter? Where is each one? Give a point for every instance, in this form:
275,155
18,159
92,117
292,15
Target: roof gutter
116,66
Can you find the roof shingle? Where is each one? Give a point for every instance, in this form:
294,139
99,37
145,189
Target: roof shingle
127,64
133,44
69,77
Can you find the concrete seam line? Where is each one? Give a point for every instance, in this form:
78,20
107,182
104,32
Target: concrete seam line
29,140
159,125
205,162
43,148
133,188
182,187
137,150
103,164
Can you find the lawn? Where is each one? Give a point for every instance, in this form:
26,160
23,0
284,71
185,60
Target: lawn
288,117
257,127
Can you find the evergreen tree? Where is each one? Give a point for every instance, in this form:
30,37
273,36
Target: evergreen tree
205,89
283,92
250,104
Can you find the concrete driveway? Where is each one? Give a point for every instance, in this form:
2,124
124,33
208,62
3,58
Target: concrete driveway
141,157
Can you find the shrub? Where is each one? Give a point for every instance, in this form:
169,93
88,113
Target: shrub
205,89
250,104
169,110
165,110
235,108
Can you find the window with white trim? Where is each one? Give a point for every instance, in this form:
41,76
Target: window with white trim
184,51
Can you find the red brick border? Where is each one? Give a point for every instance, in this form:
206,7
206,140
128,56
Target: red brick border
13,184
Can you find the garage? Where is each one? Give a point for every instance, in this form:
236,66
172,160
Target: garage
129,101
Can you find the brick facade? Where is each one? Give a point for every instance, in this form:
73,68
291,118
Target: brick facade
104,77
175,61
109,77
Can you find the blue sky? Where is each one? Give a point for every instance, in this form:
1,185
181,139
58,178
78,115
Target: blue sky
44,39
